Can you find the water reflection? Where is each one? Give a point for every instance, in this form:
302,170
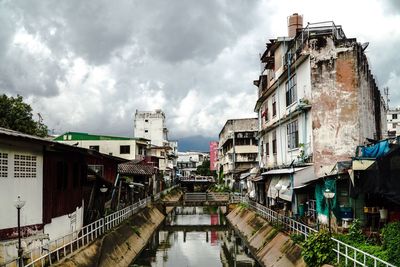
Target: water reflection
195,236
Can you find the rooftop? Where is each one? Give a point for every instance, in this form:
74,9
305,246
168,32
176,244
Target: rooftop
74,136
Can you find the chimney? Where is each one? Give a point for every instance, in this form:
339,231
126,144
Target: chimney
295,22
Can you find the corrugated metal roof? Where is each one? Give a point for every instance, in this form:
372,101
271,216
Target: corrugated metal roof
44,141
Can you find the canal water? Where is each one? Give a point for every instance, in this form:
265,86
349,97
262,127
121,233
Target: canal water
195,236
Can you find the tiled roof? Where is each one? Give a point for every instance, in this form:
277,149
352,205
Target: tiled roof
132,168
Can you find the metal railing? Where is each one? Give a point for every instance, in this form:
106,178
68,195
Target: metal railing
345,254
206,196
54,250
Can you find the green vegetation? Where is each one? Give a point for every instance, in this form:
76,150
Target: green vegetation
136,230
17,115
204,169
391,242
220,188
318,249
389,251
297,238
242,206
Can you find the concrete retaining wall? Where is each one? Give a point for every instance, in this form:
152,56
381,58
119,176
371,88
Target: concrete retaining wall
120,246
269,246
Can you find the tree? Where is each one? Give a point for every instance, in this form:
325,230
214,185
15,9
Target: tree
204,169
17,115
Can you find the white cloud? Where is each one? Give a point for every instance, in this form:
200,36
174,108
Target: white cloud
89,66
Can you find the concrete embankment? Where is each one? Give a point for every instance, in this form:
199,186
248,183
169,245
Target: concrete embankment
268,245
122,245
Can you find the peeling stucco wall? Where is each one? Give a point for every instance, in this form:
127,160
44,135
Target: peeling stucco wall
343,101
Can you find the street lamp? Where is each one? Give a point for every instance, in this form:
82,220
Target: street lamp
328,194
131,185
103,189
278,188
19,204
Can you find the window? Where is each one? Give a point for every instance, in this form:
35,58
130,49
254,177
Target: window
97,148
3,165
273,106
291,94
274,142
267,147
394,116
125,149
394,125
242,142
146,131
146,120
24,166
293,135
265,114
162,154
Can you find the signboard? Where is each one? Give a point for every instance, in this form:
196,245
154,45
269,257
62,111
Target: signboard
213,155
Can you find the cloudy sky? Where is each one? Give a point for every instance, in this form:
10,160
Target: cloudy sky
88,65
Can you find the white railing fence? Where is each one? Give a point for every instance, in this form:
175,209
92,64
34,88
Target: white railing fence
54,250
345,254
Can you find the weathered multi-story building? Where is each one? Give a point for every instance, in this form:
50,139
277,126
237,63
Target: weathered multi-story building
151,125
238,148
317,101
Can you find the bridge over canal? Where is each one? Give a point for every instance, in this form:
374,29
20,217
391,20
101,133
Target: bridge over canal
204,199
200,181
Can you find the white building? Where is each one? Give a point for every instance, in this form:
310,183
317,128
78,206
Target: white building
123,147
26,163
151,125
189,161
393,122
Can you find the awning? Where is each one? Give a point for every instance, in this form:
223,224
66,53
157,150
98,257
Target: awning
362,164
285,193
244,175
257,179
282,171
303,177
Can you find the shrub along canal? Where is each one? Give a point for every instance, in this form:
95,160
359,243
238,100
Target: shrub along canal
195,236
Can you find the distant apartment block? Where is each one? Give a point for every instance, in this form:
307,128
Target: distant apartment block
151,125
189,161
393,122
238,148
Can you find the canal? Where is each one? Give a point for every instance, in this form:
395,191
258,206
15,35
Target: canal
195,236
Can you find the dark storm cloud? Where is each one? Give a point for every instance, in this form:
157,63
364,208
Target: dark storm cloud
197,30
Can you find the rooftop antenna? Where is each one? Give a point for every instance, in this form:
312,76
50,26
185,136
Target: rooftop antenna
40,118
386,93
364,46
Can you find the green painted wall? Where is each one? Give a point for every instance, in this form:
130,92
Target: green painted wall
76,136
